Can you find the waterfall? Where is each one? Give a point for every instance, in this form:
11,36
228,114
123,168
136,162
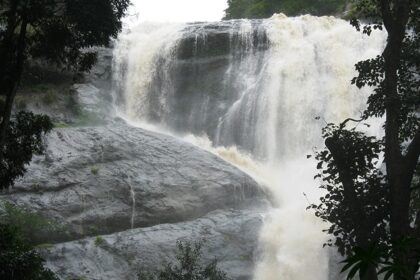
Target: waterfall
257,93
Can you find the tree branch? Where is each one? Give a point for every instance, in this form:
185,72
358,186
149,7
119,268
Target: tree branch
17,70
348,120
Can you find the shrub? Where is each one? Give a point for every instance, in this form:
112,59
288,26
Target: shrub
18,260
189,266
33,227
94,170
99,241
24,139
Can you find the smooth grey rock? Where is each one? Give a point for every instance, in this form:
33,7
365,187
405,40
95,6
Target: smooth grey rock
88,95
95,103
230,236
99,180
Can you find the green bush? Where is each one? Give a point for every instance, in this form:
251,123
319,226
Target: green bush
188,266
94,170
266,8
25,135
35,228
99,241
18,260
82,118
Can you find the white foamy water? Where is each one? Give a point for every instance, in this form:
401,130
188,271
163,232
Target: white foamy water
250,92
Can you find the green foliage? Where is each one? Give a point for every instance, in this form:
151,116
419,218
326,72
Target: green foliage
362,259
85,118
24,139
99,241
94,170
188,266
61,31
82,118
266,8
374,216
35,228
356,203
382,259
61,125
371,73
18,260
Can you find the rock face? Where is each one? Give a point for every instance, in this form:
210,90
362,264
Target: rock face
140,191
112,178
146,190
228,235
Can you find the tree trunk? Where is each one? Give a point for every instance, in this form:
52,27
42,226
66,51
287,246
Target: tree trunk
350,199
13,73
395,21
370,274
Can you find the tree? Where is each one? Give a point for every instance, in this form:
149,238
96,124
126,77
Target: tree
188,267
266,8
61,32
18,260
23,139
371,209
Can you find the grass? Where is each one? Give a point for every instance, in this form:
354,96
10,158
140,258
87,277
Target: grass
94,170
45,246
99,241
92,230
82,119
36,228
36,188
61,125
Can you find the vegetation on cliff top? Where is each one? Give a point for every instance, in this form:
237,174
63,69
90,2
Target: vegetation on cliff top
266,8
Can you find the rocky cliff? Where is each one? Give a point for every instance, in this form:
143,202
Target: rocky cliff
138,192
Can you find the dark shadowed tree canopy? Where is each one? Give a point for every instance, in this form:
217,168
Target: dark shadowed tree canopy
24,139
18,260
60,32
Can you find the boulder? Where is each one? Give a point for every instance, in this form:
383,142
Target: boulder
230,236
101,180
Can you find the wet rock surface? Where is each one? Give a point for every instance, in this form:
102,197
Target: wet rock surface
228,235
107,179
146,191
139,191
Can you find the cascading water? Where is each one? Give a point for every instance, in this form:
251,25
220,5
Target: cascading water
250,91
